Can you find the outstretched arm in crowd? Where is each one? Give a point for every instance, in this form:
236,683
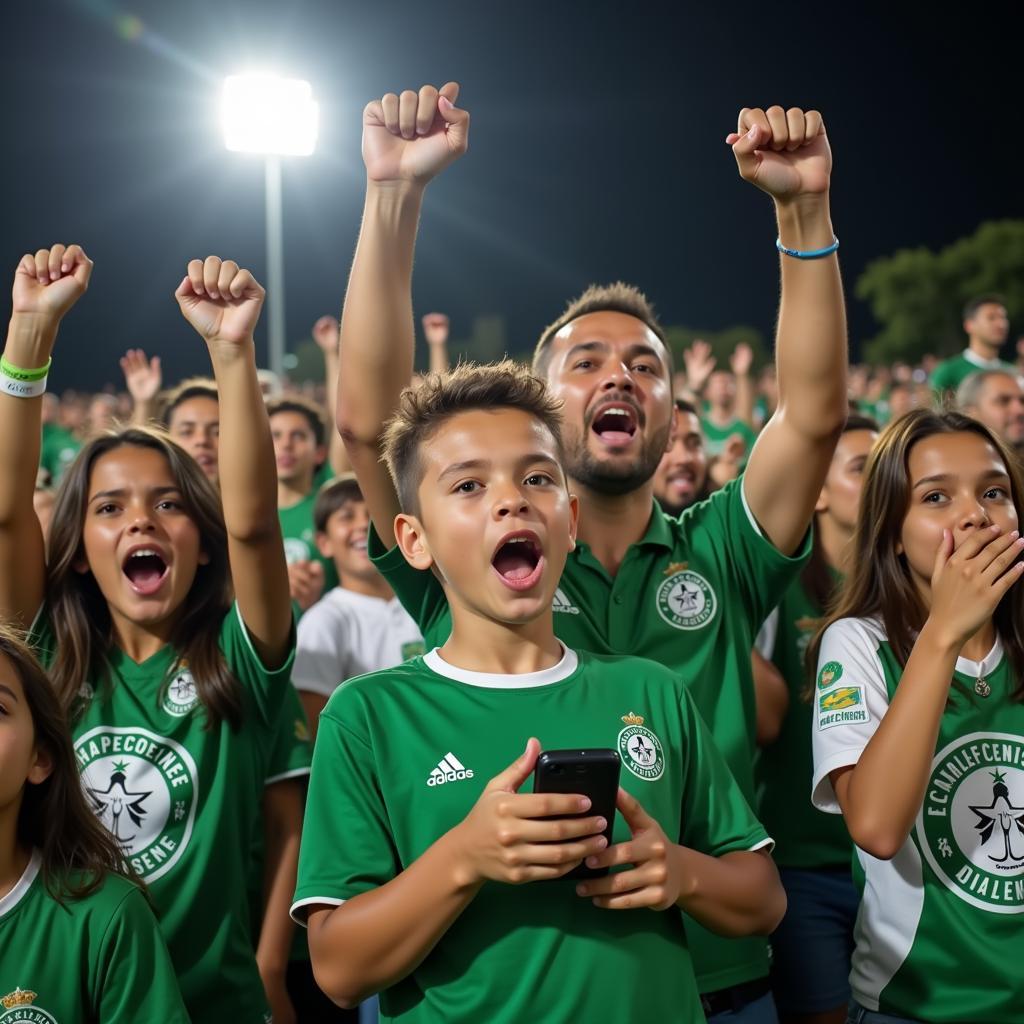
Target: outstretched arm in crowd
786,153
740,363
46,286
223,302
326,334
143,378
435,330
407,140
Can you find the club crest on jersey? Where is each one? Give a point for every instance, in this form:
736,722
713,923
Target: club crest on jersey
830,674
296,550
143,788
685,599
18,1006
180,695
971,825
640,750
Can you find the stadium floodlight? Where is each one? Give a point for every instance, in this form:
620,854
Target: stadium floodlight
274,117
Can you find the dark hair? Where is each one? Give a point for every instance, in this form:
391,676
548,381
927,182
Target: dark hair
685,406
816,578
78,610
879,584
425,406
77,851
304,407
193,387
972,307
612,298
334,494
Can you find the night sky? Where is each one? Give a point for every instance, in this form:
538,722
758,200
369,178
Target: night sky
596,151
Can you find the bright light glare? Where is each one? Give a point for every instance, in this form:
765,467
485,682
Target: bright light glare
266,114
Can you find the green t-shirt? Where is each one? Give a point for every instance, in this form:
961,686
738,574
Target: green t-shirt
715,437
691,595
951,373
96,960
939,936
184,801
58,450
402,756
300,538
804,837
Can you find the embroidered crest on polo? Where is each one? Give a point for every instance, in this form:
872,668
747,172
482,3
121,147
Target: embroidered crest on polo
639,749
971,824
18,1006
685,599
181,696
143,788
449,769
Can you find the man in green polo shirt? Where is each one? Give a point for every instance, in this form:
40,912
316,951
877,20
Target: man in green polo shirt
987,327
688,592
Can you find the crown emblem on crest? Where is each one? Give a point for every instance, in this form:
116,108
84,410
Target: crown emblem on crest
19,997
674,567
633,718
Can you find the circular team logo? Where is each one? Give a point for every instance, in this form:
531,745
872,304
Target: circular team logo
971,825
830,674
685,600
180,697
640,751
296,550
143,788
17,1006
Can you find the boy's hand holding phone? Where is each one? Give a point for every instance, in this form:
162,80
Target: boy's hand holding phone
656,879
517,837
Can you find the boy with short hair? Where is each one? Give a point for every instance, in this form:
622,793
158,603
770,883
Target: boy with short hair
359,626
414,870
191,414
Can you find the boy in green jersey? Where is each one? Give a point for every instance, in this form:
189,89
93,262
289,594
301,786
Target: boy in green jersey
690,592
420,877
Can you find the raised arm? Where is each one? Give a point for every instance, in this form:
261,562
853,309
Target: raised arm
143,378
46,286
223,302
435,330
326,335
740,362
407,140
786,154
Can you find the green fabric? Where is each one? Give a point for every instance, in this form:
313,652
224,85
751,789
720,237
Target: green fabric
804,836
691,595
951,373
189,803
96,960
299,538
715,437
530,952
58,450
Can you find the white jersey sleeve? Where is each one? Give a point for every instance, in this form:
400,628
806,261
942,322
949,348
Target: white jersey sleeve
850,698
322,649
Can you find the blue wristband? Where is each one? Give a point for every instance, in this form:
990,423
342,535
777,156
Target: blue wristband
810,254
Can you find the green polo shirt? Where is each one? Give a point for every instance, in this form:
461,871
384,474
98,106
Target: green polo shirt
951,373
690,594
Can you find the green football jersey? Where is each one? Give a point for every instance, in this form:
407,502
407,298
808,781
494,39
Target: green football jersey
184,802
691,595
804,837
99,959
58,450
939,935
715,437
402,756
299,538
951,373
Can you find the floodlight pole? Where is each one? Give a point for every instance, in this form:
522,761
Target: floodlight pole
275,266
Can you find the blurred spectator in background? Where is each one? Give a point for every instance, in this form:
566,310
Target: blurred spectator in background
995,397
987,327
681,477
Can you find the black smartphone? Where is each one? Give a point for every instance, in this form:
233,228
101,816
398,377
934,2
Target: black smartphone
592,773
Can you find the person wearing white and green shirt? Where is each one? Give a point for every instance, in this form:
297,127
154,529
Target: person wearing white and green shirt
918,729
987,327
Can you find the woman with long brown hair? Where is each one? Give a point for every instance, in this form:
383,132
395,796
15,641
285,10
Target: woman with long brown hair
173,688
919,725
78,941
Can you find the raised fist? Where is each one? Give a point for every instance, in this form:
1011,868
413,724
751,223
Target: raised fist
51,282
435,328
783,152
325,334
220,300
414,136
142,376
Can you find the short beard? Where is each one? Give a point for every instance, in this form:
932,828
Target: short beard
613,480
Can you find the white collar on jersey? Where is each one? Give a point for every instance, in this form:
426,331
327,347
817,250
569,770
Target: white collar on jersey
489,681
985,667
28,876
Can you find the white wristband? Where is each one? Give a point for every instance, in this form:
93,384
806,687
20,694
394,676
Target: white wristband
21,388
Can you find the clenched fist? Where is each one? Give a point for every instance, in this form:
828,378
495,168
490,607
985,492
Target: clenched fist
49,283
220,300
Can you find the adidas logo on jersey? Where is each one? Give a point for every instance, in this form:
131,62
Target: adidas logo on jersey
560,603
449,769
